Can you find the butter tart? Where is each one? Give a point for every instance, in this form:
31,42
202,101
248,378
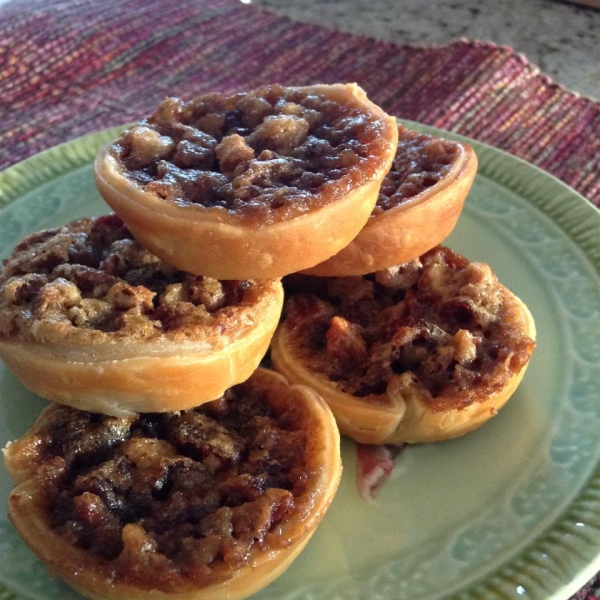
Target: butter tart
420,352
208,503
91,319
250,185
419,203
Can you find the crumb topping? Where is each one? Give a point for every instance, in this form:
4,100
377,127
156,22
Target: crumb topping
440,325
269,154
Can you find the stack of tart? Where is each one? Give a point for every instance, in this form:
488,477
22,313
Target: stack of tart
170,463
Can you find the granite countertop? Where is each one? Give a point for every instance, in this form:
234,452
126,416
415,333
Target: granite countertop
561,38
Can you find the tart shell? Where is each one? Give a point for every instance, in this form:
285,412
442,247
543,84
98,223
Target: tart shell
76,568
397,417
84,573
209,241
405,232
121,379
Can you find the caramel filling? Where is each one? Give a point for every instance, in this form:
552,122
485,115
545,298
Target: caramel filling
165,499
270,154
439,325
421,161
91,281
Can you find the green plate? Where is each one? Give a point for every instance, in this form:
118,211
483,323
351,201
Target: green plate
511,510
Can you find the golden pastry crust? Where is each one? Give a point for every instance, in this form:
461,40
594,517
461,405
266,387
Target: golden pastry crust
422,352
214,502
251,185
419,203
91,319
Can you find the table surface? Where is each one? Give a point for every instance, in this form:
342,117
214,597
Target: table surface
53,89
561,38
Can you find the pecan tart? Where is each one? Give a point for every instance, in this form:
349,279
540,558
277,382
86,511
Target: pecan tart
256,184
91,319
419,203
208,503
421,352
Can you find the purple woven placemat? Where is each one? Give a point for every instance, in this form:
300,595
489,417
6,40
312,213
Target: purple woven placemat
72,67
68,68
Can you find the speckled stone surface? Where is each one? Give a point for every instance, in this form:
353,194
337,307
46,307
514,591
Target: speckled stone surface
560,38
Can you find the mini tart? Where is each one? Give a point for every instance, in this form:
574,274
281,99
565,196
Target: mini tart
253,185
418,206
90,319
209,503
421,352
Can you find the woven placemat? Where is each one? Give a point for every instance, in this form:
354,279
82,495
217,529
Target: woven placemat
69,68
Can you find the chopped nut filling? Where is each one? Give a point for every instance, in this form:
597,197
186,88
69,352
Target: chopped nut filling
165,499
421,162
269,154
91,281
439,325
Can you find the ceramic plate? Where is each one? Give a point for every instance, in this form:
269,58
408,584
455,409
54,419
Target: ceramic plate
511,510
